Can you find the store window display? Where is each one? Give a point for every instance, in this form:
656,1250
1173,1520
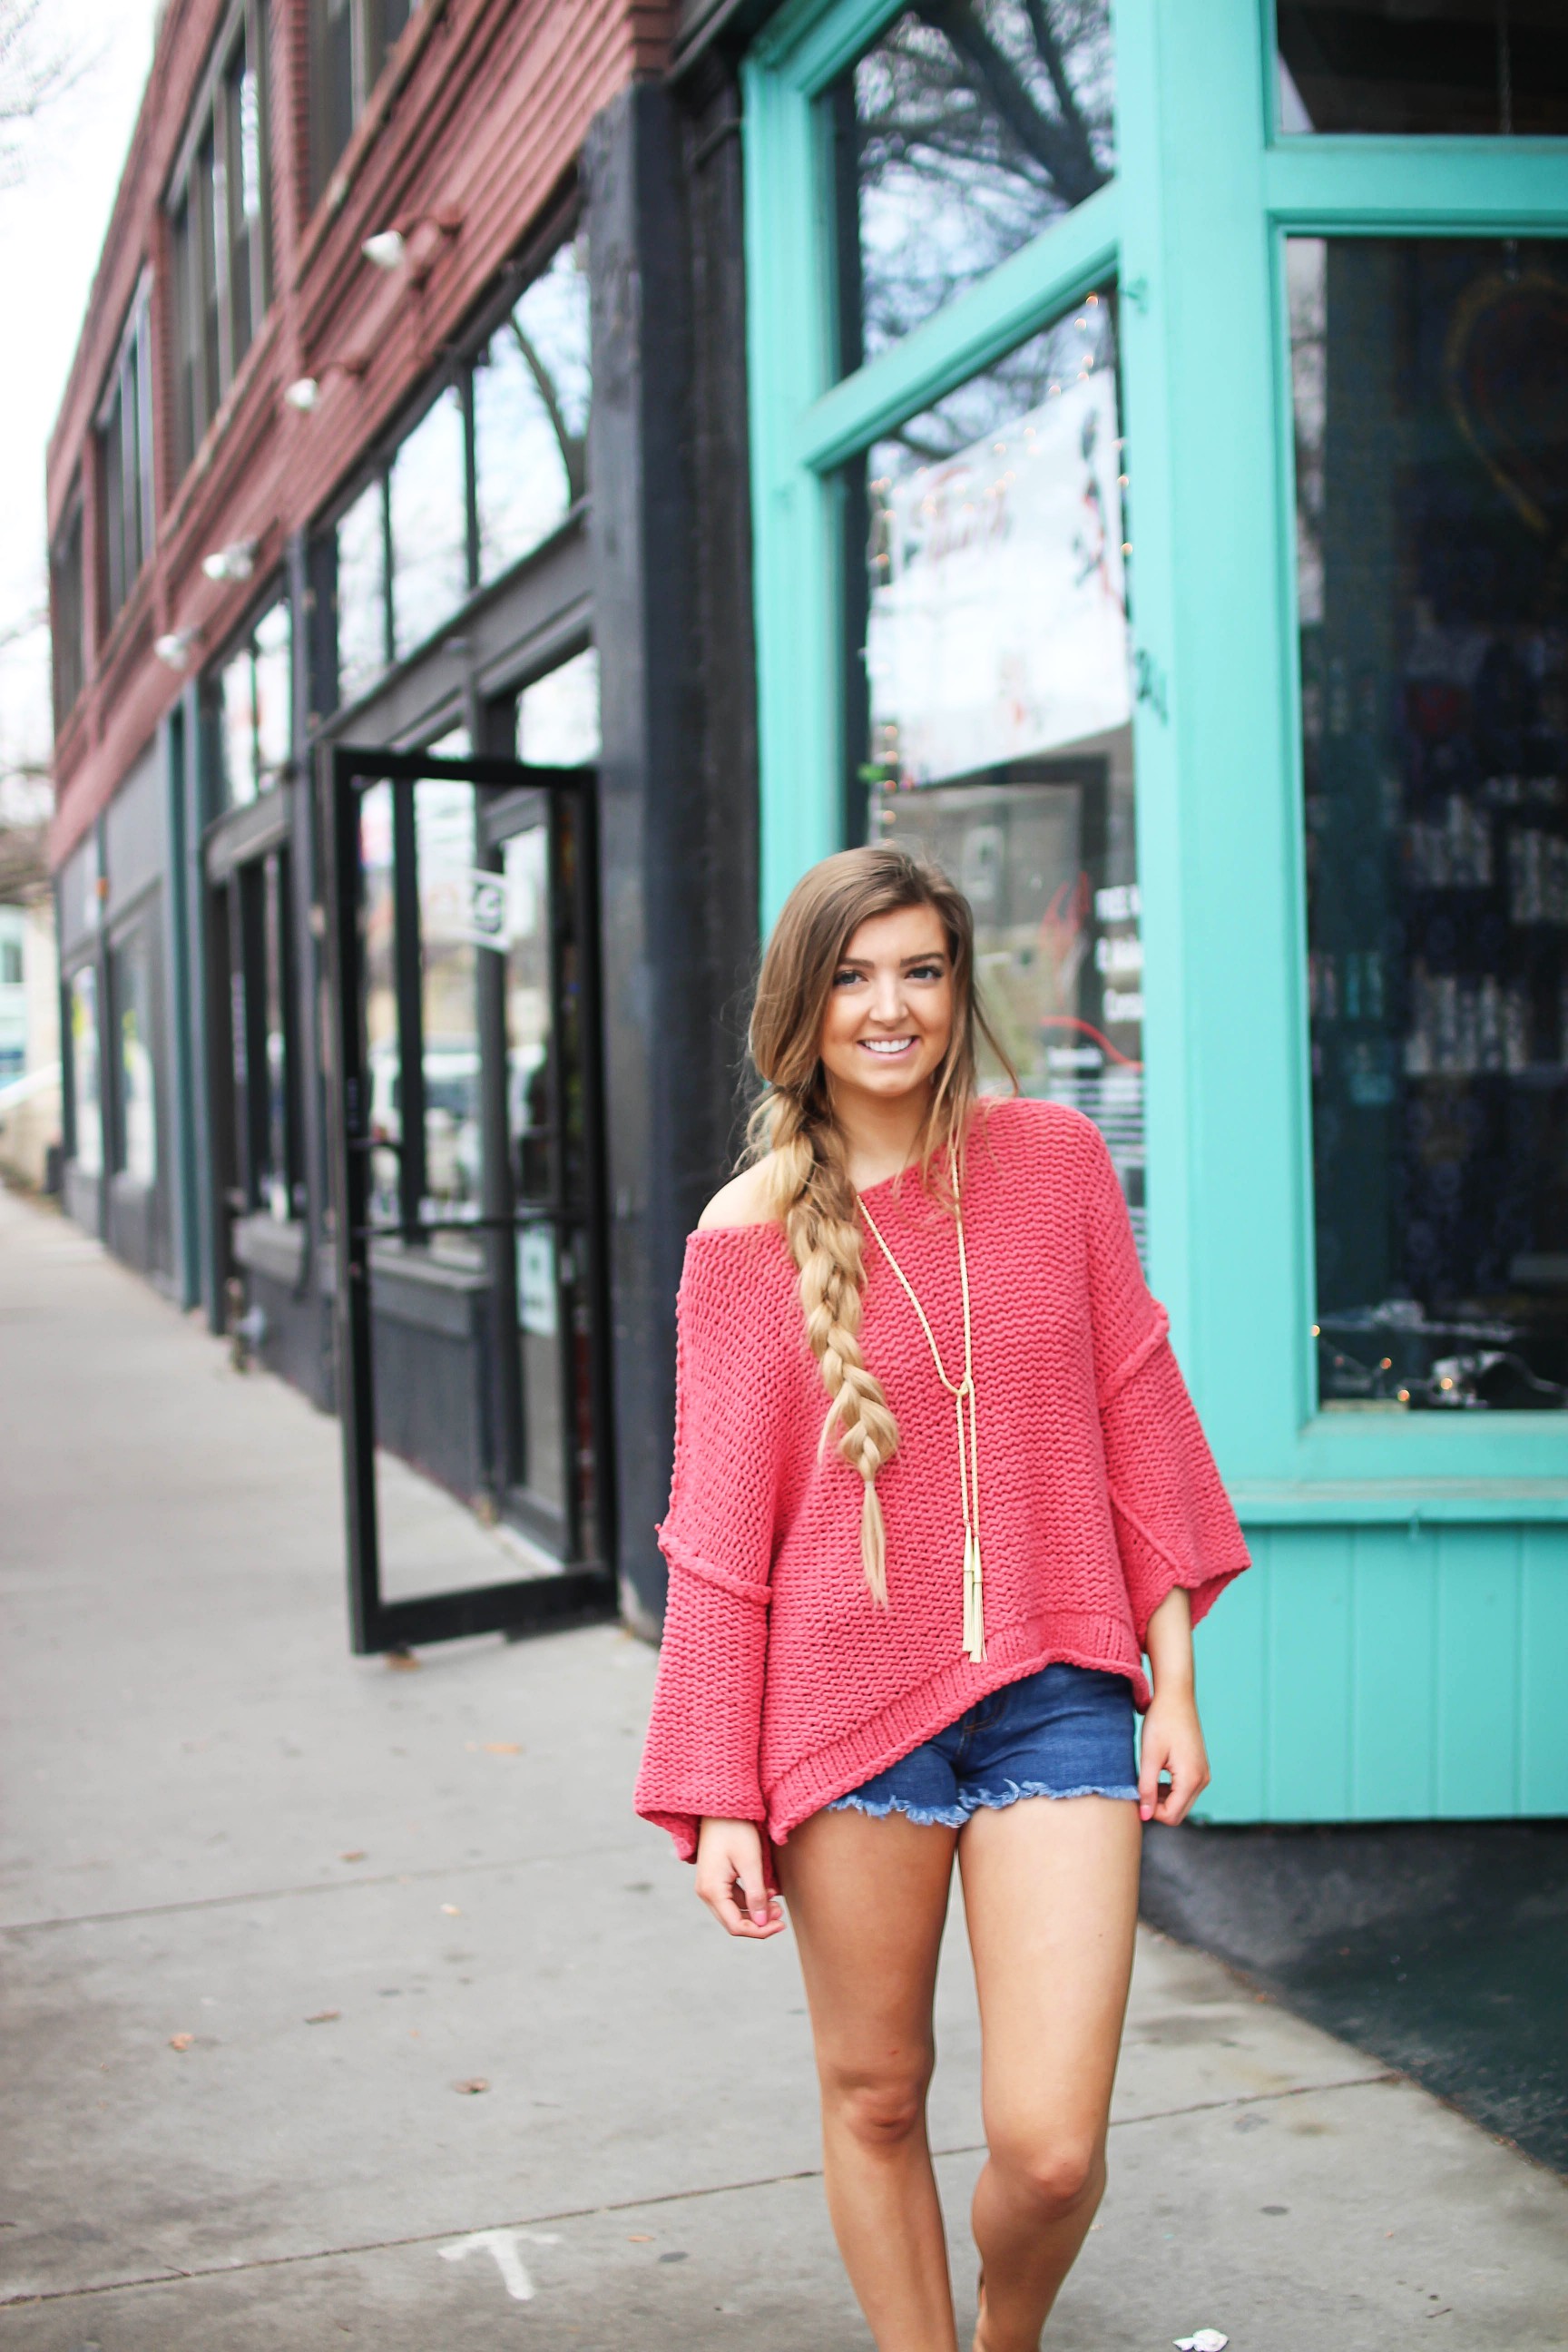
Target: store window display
1434,622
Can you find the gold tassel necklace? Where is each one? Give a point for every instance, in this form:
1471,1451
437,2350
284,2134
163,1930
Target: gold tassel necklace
962,1395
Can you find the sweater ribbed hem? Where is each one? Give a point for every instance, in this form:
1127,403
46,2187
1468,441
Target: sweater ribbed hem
1012,1652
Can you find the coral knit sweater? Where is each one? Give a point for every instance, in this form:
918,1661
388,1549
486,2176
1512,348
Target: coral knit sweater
781,1684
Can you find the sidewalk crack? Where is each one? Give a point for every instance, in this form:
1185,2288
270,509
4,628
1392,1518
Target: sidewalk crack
173,2276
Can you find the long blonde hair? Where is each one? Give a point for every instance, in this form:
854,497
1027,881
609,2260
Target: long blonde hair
811,1193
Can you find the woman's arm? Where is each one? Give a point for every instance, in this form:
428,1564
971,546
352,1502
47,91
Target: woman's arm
1173,1736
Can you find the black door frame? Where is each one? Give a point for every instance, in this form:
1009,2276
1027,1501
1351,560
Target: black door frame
579,1592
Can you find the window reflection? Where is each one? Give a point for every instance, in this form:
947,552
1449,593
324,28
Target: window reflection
959,136
531,415
533,1079
255,710
558,715
135,1118
275,1178
87,1101
997,706
447,850
1434,615
378,951
1464,67
363,641
513,432
429,524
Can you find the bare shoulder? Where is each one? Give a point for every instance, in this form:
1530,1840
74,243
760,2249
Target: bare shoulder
743,1201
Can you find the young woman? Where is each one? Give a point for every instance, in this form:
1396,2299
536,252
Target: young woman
938,1490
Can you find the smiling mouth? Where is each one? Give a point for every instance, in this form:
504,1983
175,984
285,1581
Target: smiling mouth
887,1047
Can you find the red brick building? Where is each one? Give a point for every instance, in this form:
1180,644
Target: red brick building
409,412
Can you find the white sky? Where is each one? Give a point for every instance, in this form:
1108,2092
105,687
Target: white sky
52,224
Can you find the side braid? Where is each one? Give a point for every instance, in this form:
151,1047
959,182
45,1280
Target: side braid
816,1202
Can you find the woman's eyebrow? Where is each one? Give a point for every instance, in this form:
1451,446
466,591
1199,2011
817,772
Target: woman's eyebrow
865,963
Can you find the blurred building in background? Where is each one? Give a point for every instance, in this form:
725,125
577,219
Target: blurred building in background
536,477
29,1011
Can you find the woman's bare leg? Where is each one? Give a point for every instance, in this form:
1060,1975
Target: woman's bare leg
867,1898
1050,1890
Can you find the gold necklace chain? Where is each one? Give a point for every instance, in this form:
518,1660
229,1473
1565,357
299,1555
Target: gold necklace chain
962,1394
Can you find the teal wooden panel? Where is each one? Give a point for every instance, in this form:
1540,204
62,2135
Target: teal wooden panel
1544,1652
1309,1648
1381,1674
1232,1646
1393,1722
1477,1676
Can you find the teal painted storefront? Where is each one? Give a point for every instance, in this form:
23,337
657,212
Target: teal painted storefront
1395,1650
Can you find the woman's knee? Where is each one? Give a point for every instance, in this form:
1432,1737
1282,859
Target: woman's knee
880,2106
1058,2173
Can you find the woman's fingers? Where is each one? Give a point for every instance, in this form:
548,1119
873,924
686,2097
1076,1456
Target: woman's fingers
1189,1778
1152,1761
735,1881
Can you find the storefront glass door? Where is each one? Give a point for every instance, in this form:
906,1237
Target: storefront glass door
465,1110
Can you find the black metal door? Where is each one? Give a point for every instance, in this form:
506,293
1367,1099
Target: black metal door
464,1113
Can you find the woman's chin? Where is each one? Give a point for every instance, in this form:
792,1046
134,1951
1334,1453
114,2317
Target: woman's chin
884,1082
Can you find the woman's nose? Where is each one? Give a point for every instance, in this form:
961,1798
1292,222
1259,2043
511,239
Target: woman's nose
887,998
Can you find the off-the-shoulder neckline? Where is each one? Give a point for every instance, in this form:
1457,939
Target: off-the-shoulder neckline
885,1184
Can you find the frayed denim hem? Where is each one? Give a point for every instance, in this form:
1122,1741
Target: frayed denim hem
953,1817
948,1817
1016,1789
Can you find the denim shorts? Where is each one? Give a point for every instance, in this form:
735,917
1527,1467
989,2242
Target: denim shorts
1066,1731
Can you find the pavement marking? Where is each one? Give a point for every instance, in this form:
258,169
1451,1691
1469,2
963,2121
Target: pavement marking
637,2204
502,2244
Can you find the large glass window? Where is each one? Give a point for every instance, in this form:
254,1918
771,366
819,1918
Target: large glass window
265,1157
364,636
996,703
1434,610
125,459
531,415
67,613
429,515
351,41
481,479
219,212
87,1098
1461,67
255,710
961,134
558,715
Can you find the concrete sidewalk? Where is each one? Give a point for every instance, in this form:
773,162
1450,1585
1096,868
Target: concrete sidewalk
267,1910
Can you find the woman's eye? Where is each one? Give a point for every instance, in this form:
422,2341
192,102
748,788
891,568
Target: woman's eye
925,971
845,978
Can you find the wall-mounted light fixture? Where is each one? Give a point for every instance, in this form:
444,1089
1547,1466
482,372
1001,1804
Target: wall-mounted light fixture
236,561
177,648
388,248
304,394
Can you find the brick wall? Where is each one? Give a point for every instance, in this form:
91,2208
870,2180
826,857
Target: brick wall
478,118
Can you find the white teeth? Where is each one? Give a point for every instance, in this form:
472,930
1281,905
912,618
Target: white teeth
886,1045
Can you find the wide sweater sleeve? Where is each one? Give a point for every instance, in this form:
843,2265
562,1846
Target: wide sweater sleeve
1175,1523
732,1367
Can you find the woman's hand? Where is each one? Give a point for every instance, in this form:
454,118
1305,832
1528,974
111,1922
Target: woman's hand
1173,1743
734,1878
1173,1736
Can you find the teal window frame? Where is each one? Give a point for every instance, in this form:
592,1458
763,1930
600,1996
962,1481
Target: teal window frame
1194,227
